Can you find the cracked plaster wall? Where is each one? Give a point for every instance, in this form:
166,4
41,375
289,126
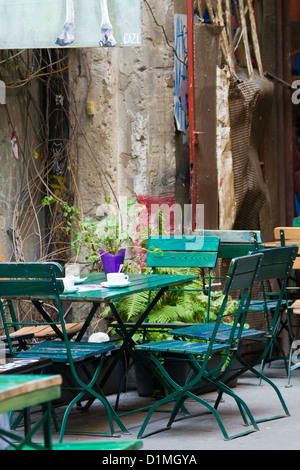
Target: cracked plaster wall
15,169
127,146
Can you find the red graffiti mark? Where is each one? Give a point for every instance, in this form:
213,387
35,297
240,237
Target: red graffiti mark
165,203
148,217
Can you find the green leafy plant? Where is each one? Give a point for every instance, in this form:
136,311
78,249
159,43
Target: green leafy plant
113,232
121,228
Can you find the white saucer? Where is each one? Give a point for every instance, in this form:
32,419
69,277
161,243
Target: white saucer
70,291
115,286
80,281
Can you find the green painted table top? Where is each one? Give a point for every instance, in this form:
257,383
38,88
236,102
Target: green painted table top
91,289
137,283
23,391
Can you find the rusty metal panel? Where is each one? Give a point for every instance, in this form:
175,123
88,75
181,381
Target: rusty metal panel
206,51
250,104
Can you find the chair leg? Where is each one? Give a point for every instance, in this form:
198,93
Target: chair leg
212,409
47,410
222,387
110,412
289,370
167,399
243,407
266,379
92,389
295,366
18,442
180,395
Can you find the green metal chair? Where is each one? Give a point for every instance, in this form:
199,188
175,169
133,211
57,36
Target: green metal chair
235,243
40,280
277,264
242,275
184,254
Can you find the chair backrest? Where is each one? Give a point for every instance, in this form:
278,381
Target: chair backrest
183,251
18,280
277,263
186,252
234,243
242,275
243,272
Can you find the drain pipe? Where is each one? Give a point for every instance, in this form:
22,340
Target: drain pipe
191,98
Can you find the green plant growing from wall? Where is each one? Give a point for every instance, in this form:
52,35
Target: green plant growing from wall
108,234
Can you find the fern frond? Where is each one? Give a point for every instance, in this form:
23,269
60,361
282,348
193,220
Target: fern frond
187,316
166,314
133,305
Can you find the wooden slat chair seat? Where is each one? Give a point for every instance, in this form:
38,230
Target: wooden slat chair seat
242,275
94,445
204,331
43,331
295,306
41,281
277,264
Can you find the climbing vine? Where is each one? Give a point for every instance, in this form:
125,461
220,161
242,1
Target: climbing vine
48,132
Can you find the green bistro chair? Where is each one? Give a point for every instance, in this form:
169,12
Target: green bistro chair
234,243
70,357
277,264
183,255
242,275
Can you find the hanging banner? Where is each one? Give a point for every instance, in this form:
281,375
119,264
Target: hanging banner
35,24
180,73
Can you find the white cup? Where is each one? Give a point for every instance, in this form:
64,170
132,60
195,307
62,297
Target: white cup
116,278
69,283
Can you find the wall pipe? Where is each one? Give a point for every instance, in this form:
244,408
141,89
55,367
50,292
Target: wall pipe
191,98
280,120
288,114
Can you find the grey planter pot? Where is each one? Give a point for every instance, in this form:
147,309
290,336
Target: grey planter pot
116,380
178,370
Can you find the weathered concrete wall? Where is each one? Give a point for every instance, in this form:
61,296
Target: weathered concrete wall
16,132
10,176
127,147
